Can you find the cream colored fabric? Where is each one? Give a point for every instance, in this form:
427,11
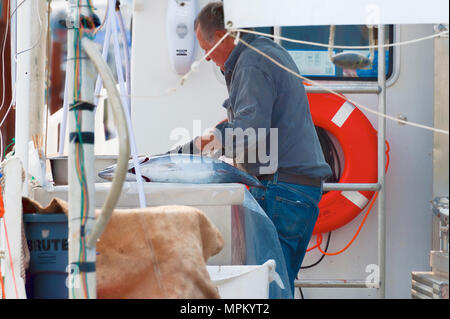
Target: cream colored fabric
156,252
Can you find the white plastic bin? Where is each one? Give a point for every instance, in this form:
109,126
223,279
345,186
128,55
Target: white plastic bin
244,282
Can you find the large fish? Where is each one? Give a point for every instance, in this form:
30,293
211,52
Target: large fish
351,60
184,168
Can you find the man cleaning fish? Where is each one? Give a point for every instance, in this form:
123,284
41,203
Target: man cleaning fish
270,107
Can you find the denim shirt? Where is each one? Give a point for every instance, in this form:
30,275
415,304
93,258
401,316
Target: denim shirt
263,96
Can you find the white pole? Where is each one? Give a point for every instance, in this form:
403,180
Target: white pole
82,279
30,77
23,85
65,110
37,86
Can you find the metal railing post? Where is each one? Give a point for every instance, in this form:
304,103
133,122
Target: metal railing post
381,163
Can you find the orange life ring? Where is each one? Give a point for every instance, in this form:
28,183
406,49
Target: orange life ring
358,140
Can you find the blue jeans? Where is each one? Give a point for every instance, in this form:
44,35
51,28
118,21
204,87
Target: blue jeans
294,210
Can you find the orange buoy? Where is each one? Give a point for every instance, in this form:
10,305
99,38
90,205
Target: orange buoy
358,140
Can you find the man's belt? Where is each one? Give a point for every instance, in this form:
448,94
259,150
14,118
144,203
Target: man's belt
293,179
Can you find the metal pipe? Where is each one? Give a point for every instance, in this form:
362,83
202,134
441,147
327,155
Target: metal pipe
381,163
331,283
345,89
351,187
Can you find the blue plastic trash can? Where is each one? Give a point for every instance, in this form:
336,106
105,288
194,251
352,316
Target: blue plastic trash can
47,241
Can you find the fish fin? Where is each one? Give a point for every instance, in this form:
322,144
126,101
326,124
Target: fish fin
146,179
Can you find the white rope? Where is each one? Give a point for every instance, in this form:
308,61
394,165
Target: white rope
194,68
13,100
342,96
341,46
8,18
195,65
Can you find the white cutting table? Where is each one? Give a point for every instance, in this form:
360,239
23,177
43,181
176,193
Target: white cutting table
215,200
231,208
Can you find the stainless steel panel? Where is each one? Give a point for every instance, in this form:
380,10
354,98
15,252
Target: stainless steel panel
441,117
441,120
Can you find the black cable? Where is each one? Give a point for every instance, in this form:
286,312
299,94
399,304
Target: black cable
321,258
301,292
315,264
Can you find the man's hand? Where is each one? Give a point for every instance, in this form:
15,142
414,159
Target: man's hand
208,143
188,148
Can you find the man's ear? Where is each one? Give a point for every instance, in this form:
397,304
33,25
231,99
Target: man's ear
218,34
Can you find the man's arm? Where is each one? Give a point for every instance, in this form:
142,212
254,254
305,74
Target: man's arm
252,94
188,148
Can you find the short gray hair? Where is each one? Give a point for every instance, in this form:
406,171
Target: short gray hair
211,19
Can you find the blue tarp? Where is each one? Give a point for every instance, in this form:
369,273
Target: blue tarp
250,223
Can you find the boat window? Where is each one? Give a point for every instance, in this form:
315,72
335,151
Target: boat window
267,30
314,62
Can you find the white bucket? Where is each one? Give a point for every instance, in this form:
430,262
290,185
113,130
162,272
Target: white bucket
244,282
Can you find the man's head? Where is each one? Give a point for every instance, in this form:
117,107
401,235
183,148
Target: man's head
209,28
